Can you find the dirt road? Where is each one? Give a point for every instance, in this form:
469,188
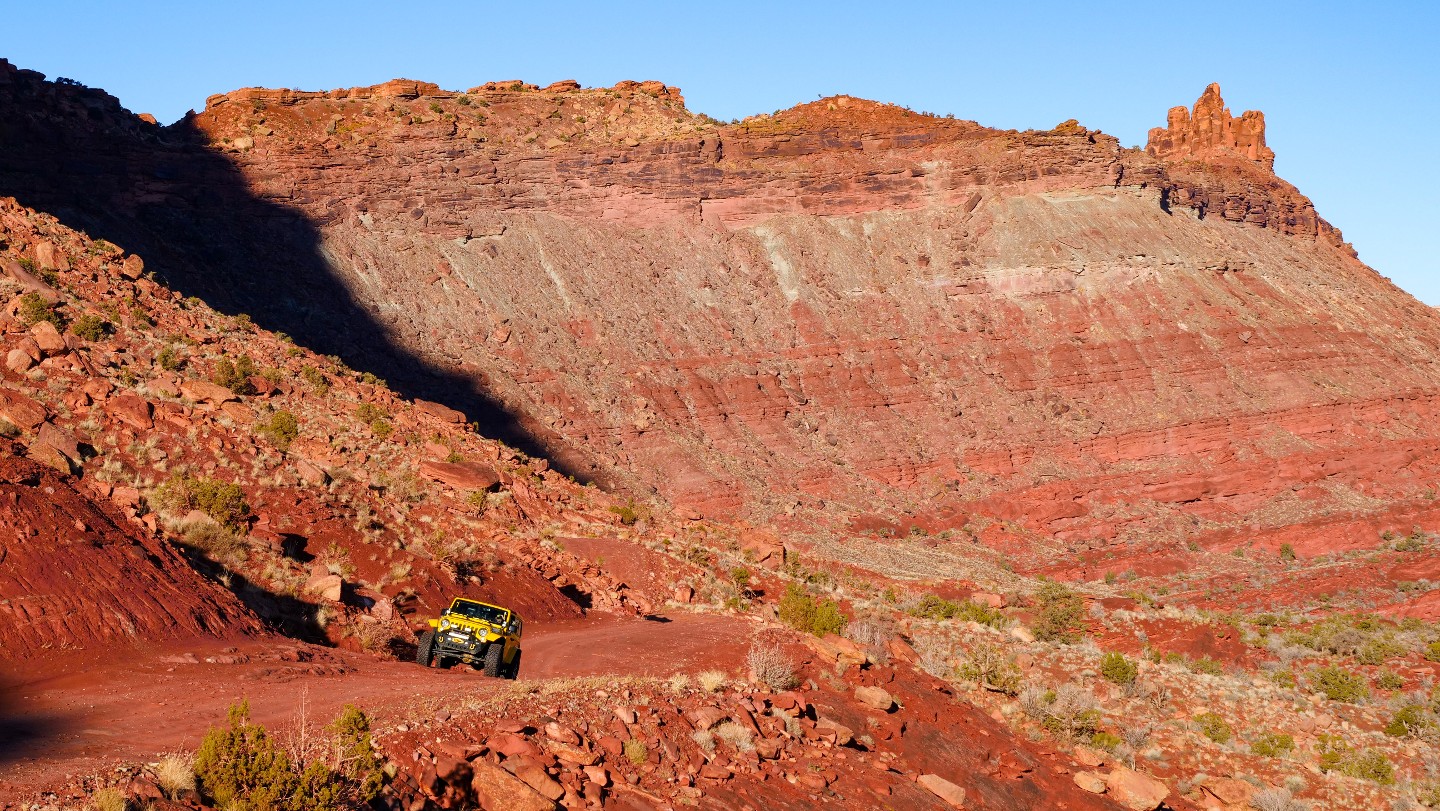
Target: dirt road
77,714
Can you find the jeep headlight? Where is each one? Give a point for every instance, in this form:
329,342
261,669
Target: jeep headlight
444,625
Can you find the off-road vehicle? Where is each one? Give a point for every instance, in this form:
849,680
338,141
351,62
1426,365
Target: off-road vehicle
476,633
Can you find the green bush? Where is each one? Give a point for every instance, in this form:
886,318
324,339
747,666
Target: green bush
1115,667
90,328
240,767
170,359
1410,720
280,429
1287,552
1061,617
1272,744
1338,684
934,607
1213,727
1389,680
235,375
222,501
1377,649
1365,764
1108,741
1432,652
803,612
317,380
1207,666
34,309
627,512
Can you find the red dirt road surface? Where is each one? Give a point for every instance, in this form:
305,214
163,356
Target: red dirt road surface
69,716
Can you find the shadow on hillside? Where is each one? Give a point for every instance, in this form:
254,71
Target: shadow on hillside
161,193
21,732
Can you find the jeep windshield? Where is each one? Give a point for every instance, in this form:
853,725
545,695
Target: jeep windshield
476,611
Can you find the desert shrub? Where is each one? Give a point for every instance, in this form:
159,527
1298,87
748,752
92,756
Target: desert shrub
1108,741
711,680
988,665
1389,680
1115,667
705,739
801,611
736,735
175,774
34,309
1276,799
1377,649
235,375
1205,665
8,429
934,607
771,666
1272,744
222,501
217,542
170,359
1432,652
355,757
108,799
369,412
1287,552
1069,712
1213,727
635,751
1284,678
316,379
1412,720
280,429
873,633
90,328
240,767
1365,764
1062,612
1338,684
627,512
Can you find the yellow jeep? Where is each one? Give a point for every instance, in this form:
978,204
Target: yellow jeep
475,633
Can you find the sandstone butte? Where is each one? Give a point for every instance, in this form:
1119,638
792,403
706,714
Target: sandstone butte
843,309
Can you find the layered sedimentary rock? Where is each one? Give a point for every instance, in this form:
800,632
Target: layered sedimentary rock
845,306
73,577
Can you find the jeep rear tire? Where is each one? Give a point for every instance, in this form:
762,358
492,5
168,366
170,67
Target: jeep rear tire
425,649
492,658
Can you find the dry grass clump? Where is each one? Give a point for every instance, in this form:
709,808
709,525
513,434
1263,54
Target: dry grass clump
712,681
108,799
771,667
678,683
705,739
736,735
873,633
1277,799
176,773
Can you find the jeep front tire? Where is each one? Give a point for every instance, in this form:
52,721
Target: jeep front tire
425,649
492,658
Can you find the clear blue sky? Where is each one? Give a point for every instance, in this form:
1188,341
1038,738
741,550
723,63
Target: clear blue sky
1351,91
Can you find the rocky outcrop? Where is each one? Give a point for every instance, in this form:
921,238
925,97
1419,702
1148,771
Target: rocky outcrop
1210,131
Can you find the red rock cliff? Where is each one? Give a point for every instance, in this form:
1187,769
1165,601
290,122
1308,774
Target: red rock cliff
845,306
